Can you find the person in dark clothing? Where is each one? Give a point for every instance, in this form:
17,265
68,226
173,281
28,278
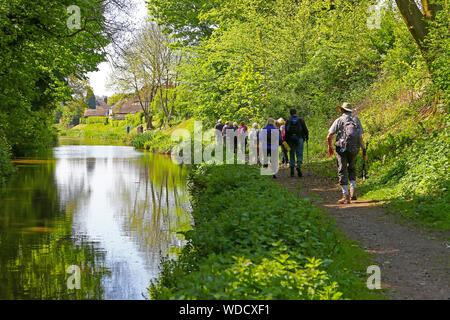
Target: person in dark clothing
226,129
266,136
235,129
296,133
219,127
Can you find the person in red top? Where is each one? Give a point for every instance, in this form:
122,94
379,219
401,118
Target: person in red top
242,136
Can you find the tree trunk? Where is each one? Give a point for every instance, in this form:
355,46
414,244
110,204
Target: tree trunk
416,21
149,121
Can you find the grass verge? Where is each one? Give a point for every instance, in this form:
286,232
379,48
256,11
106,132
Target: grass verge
99,131
253,239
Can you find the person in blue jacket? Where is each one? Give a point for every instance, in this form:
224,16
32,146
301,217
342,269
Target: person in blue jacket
265,138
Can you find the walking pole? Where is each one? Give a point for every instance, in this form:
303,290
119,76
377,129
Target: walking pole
364,170
307,152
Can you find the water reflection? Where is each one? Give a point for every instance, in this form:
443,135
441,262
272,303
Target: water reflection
110,210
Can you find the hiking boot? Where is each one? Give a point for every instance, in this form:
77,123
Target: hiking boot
292,172
345,199
353,194
299,172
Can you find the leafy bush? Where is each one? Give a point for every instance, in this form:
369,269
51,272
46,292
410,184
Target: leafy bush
139,140
6,168
253,239
27,133
413,166
160,141
133,120
439,41
155,141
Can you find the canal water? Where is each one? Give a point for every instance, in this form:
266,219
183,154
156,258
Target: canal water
109,212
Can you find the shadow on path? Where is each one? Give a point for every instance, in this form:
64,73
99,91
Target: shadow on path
414,263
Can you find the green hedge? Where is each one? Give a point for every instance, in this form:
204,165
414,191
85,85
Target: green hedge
92,120
255,240
117,123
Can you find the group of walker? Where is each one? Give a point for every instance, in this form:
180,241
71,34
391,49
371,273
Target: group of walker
292,135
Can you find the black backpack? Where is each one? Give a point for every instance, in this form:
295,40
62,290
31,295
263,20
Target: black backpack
350,140
269,137
294,128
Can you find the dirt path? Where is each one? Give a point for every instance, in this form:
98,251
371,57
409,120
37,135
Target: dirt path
415,264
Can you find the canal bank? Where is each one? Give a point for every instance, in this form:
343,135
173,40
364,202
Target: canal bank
109,211
253,239
156,141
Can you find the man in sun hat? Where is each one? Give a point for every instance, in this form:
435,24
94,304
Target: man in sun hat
349,141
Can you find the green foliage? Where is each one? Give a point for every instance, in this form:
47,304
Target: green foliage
6,168
253,239
182,18
38,54
92,120
114,131
408,162
414,168
155,141
117,123
91,101
72,113
160,141
133,120
28,133
116,98
266,57
165,104
401,60
439,41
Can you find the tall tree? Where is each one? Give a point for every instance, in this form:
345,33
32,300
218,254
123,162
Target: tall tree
146,68
40,48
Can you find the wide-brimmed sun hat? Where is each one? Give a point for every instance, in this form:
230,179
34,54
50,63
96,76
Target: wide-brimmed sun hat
347,107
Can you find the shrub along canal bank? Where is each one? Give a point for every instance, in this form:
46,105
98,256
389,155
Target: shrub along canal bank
253,239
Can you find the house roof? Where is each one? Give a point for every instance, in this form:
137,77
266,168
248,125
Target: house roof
102,104
128,106
95,113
